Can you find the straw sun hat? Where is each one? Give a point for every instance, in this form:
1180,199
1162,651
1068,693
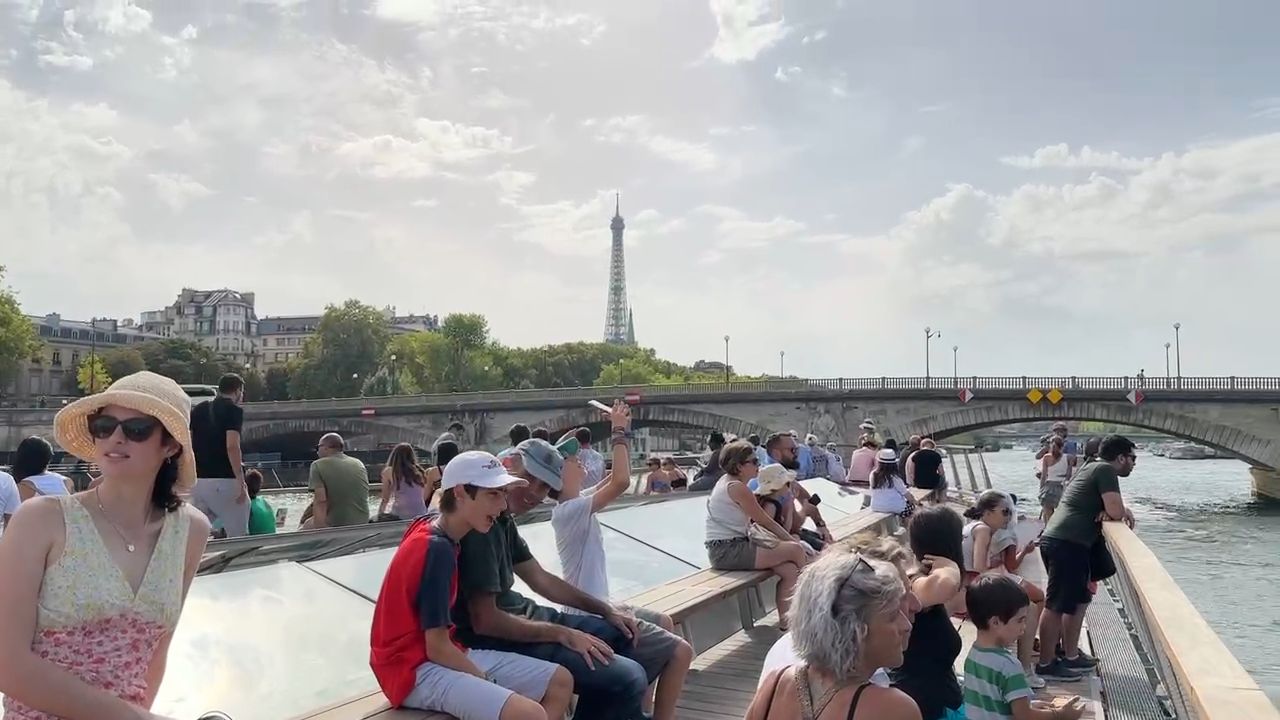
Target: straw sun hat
146,392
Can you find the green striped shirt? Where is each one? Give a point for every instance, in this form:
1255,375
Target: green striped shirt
993,678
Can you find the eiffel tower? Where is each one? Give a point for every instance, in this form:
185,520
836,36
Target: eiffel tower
619,326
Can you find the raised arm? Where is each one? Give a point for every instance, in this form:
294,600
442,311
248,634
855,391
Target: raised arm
620,479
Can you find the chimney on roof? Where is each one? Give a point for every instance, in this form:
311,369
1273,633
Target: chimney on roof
53,320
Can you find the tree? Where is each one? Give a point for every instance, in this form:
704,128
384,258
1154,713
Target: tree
276,383
186,361
632,371
120,362
92,375
347,349
255,387
18,338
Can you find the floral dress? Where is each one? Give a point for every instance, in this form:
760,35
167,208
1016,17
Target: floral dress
91,623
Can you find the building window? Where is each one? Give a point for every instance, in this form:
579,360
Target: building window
75,359
35,384
57,358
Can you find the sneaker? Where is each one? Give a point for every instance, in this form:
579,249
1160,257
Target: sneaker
1034,681
1057,671
1083,661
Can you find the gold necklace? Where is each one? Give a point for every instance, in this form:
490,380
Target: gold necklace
127,545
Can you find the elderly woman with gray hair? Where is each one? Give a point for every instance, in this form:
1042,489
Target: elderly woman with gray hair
848,620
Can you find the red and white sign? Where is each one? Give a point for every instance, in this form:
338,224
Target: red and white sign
1135,396
632,398
965,395
368,411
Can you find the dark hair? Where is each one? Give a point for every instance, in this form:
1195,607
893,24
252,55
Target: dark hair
163,495
891,444
1113,446
230,383
994,595
541,433
754,438
518,433
31,458
937,530
988,500
734,455
715,440
445,451
403,462
1091,448
449,502
457,428
653,460
884,473
253,481
583,435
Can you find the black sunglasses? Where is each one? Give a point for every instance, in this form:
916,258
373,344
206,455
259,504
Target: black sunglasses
136,429
860,566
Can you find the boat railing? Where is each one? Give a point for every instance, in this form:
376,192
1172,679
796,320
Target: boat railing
1199,675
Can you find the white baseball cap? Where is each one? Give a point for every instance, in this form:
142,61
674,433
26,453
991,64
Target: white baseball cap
477,468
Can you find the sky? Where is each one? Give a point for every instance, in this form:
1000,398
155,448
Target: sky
1050,185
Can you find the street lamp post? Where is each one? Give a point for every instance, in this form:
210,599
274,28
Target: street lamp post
955,363
355,380
1177,350
93,355
394,384
782,364
726,359
1167,374
202,361
929,334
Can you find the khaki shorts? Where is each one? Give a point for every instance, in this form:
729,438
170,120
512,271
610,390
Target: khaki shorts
734,554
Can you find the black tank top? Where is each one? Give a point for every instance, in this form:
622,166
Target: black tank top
927,673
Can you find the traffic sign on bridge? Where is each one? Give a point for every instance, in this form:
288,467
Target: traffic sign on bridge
965,395
1135,396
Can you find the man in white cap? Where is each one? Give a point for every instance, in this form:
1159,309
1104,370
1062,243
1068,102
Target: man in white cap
598,648
413,653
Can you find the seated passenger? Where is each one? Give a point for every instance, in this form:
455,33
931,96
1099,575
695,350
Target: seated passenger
262,518
413,652
888,490
731,510
580,545
610,671
985,542
927,671
656,482
995,685
31,470
849,618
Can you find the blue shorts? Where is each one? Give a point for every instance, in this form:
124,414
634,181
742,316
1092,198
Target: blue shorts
953,714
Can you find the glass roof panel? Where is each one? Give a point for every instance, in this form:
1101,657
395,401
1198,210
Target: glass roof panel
281,627
361,573
676,527
846,500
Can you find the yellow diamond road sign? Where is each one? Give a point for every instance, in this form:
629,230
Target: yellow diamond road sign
1035,396
1054,396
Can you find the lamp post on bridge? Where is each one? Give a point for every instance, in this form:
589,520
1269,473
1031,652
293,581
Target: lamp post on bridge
395,386
929,334
1167,374
726,359
955,364
782,364
1177,349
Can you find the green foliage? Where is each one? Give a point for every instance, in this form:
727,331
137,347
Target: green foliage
276,383
91,376
186,361
347,349
18,337
123,361
255,386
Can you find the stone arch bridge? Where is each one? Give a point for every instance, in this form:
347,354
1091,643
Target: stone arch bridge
1237,415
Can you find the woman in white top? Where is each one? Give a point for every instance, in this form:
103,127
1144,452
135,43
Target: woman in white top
888,489
1055,470
732,508
31,470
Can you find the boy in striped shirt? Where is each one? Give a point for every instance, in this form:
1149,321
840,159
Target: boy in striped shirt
995,685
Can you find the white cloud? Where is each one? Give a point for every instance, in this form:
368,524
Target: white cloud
425,203
911,145
55,55
1060,156
745,28
638,130
513,23
1268,108
439,144
115,17
786,74
512,183
177,190
818,36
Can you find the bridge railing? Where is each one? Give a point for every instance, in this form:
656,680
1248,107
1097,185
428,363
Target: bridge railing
935,384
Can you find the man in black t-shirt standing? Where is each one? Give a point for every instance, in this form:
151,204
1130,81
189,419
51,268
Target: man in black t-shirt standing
220,491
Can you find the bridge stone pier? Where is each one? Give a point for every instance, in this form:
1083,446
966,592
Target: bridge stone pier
1237,415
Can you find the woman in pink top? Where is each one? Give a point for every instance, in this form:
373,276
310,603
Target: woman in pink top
94,582
862,462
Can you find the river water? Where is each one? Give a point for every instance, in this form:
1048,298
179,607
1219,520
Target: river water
1199,518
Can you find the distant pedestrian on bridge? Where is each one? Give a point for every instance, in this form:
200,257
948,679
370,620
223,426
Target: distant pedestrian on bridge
221,493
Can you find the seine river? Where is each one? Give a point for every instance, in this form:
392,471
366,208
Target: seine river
1199,518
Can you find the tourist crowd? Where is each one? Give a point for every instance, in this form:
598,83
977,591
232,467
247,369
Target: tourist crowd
96,580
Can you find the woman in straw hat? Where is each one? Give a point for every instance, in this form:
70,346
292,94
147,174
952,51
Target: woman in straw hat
94,582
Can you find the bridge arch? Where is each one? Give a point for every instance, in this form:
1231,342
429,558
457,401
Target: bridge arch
257,434
652,416
1253,449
